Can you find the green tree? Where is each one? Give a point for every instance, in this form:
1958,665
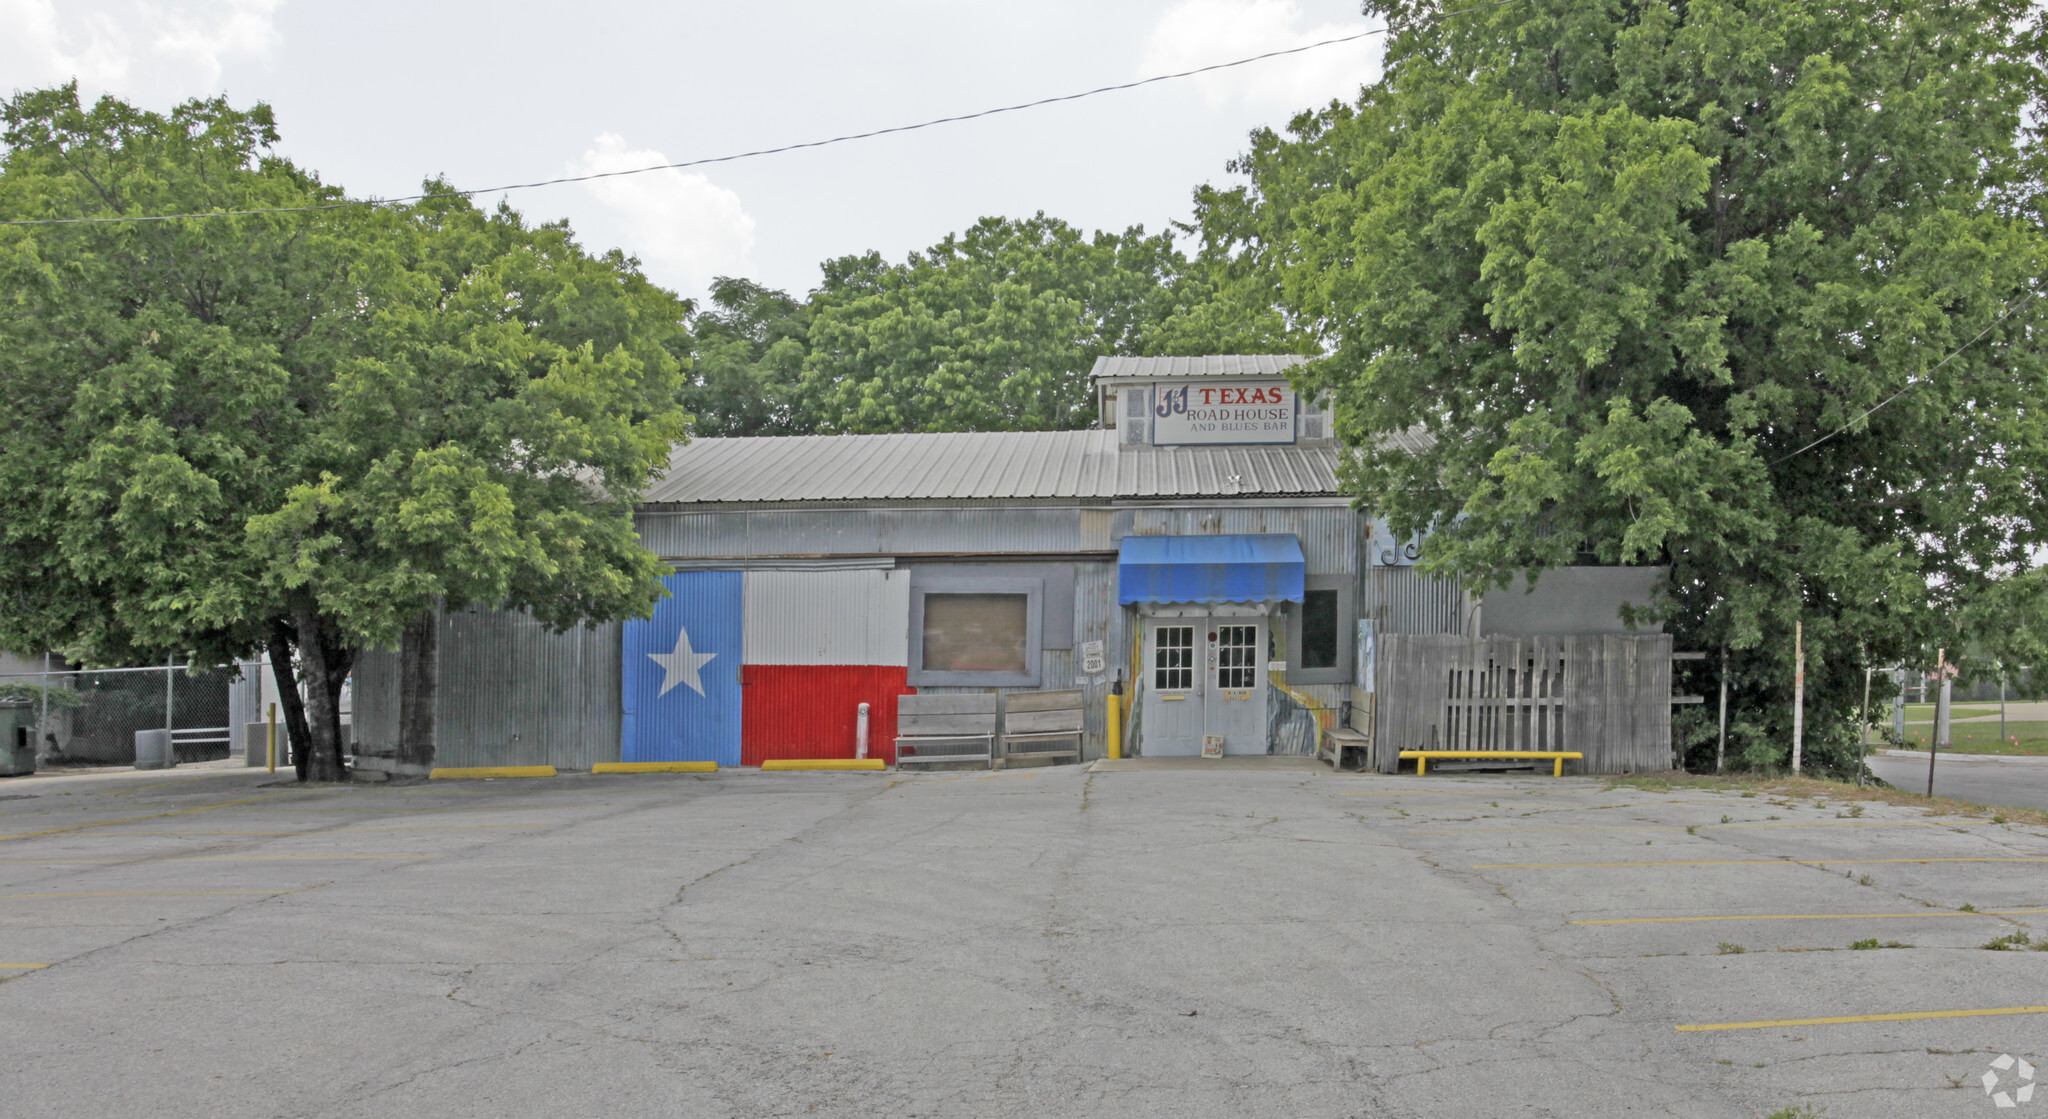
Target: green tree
750,346
1634,265
996,329
298,431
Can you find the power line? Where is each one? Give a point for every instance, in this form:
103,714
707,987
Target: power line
1020,107
1911,383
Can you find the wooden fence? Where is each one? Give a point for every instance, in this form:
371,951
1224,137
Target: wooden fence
1607,696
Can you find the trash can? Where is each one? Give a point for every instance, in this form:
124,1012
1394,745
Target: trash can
153,750
17,741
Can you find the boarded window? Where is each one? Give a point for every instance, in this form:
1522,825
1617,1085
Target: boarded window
1319,629
976,632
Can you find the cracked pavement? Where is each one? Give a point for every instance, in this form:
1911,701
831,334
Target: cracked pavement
1046,942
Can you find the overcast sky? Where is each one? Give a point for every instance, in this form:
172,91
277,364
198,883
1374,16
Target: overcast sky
378,94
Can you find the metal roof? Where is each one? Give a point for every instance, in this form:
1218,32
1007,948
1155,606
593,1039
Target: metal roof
1211,365
981,465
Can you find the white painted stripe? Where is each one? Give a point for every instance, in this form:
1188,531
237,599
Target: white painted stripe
827,617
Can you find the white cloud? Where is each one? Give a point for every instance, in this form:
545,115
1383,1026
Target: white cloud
140,50
1204,32
682,226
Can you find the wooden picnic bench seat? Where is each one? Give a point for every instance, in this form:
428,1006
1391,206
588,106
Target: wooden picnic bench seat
945,728
1043,724
1557,756
1343,740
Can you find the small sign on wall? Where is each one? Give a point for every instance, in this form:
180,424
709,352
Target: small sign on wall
1212,745
1091,658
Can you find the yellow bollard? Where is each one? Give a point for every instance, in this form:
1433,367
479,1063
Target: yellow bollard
1115,726
273,738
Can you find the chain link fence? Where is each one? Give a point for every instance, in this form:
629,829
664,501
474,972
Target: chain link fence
90,717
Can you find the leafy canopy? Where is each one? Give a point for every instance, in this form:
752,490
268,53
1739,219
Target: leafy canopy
301,430
1626,261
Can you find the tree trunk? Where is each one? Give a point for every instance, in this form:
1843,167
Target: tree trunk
418,667
325,665
283,671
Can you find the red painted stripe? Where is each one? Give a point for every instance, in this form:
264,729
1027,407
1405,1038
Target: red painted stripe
809,710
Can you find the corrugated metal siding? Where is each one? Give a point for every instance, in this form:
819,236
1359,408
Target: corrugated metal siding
979,465
1206,365
812,711
1404,600
1328,534
827,617
873,532
1097,617
374,685
511,693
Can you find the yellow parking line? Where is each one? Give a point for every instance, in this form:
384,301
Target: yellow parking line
1448,794
153,785
655,767
1809,916
137,819
332,833
22,967
1761,862
488,772
154,894
1845,1019
209,858
1682,827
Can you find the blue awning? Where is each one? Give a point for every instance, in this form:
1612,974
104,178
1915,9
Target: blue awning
1244,568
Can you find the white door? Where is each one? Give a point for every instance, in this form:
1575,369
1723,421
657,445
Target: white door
1235,682
1174,717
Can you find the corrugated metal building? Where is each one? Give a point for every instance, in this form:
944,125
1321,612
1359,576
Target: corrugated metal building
818,573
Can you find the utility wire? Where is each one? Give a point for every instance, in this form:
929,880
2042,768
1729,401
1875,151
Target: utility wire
1020,107
1911,383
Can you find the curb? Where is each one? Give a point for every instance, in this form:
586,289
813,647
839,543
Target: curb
488,771
655,767
783,764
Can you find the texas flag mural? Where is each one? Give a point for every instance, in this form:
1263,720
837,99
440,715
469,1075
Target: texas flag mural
818,645
680,673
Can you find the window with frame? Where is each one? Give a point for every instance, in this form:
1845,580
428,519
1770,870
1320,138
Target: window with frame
1173,658
1320,629
975,629
976,633
1237,656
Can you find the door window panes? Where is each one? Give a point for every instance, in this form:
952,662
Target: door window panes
1237,656
1319,629
1173,658
975,632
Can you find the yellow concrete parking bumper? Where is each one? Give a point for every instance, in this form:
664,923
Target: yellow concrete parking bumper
823,763
655,767
478,772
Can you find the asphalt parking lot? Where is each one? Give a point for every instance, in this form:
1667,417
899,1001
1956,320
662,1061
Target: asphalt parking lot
1143,942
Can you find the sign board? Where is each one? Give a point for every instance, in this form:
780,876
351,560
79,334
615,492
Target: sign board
1091,657
1212,745
1224,412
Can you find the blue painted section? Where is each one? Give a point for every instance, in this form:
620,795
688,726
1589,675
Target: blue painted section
692,642
1267,567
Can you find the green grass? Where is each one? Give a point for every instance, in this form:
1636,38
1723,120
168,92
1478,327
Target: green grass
1924,712
2028,738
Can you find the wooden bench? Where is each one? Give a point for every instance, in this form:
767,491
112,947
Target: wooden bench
945,728
1043,724
1355,737
1557,756
1338,742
